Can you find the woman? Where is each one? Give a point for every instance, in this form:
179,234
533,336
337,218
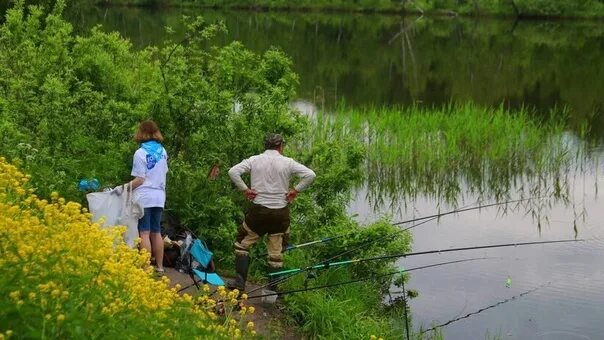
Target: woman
149,167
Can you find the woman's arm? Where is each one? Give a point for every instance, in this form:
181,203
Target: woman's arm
136,182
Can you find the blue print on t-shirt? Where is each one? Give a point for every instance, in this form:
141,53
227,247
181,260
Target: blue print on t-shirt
150,162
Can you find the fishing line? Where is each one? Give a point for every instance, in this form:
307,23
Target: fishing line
385,257
368,278
464,209
485,308
429,217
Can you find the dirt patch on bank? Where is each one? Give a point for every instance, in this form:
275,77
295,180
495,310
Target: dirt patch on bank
269,320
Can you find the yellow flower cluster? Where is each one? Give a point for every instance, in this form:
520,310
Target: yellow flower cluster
64,276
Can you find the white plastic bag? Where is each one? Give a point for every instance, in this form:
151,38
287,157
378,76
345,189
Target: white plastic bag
105,204
131,212
117,210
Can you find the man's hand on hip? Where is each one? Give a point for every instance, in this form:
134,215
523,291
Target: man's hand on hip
291,195
250,194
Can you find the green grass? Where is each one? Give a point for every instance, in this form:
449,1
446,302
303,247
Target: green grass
450,151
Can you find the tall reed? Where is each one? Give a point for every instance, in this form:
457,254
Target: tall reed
455,150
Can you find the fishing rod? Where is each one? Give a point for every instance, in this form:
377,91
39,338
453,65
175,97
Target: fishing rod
327,239
385,257
406,306
425,219
430,217
400,271
357,247
465,209
485,308
310,243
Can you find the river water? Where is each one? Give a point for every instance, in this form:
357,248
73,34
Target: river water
370,60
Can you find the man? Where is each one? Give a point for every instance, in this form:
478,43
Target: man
270,174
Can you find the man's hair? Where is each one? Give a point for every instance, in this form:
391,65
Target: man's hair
273,141
148,130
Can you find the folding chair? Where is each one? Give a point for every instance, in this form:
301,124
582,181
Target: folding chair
205,270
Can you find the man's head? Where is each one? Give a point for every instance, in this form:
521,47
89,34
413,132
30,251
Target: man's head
274,141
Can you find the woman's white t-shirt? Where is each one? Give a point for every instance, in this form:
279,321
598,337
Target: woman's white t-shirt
152,193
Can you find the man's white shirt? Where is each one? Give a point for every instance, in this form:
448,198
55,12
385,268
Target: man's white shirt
270,174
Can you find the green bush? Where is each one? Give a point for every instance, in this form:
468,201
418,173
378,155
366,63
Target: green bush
69,106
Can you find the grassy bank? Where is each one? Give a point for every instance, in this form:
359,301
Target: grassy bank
516,8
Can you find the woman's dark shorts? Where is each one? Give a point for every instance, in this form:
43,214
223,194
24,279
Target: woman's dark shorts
151,220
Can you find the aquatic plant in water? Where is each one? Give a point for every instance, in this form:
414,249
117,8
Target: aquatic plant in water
457,151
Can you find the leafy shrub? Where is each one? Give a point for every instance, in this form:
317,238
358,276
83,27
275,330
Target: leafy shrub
70,105
65,277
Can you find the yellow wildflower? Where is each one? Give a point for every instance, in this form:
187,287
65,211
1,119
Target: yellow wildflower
59,236
14,295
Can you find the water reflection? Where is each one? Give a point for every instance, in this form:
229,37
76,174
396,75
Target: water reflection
568,302
376,60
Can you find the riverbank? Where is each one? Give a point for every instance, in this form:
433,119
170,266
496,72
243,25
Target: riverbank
525,9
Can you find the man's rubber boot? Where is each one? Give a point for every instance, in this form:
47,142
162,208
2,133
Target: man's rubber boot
274,279
242,263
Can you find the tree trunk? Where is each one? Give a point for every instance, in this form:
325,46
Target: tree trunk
516,10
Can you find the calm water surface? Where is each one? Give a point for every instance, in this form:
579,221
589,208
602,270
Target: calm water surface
364,60
571,276
378,60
